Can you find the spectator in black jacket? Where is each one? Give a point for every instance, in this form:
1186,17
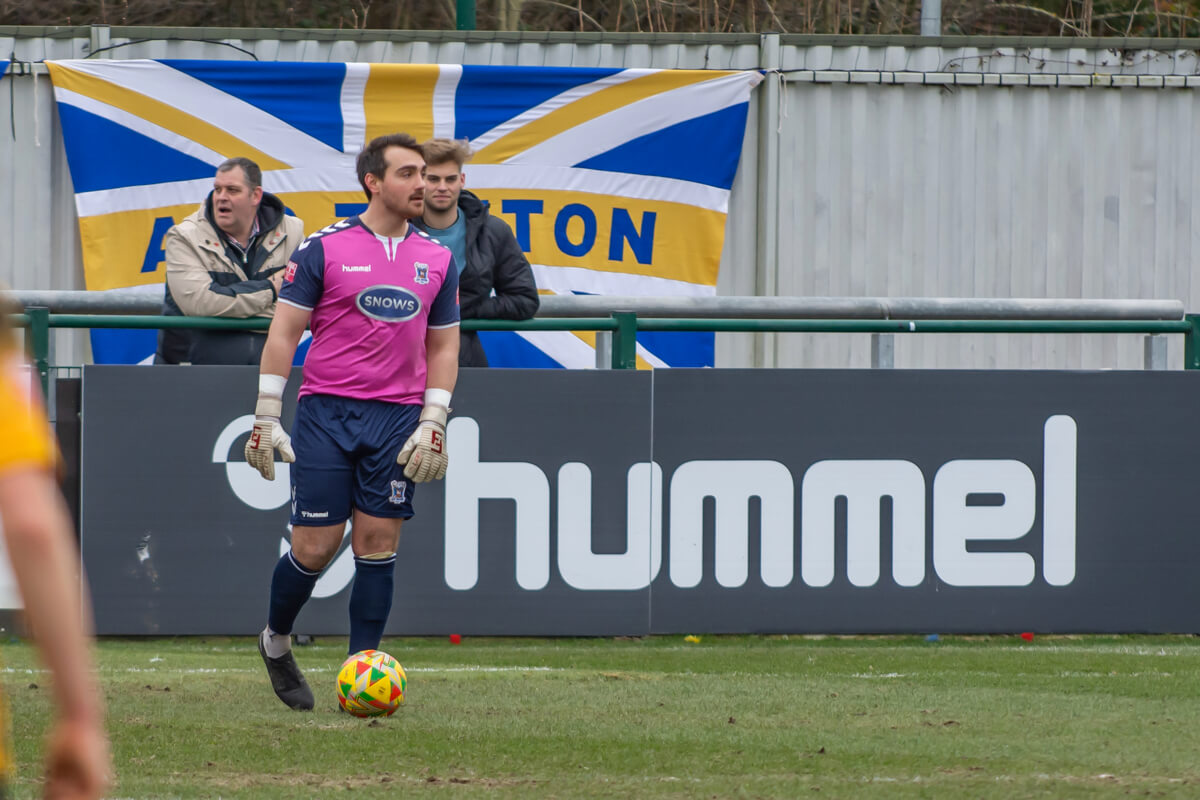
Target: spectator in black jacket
495,280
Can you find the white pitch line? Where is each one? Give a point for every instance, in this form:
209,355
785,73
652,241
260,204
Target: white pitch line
241,671
879,675
1027,649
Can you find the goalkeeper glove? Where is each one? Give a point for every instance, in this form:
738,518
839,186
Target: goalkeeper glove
268,434
424,455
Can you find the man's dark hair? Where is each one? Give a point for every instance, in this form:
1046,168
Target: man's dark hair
371,160
249,169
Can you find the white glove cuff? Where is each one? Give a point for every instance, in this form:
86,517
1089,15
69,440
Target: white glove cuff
433,414
270,396
268,406
437,397
271,384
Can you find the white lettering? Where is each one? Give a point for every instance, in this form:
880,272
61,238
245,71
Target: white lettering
638,566
973,500
955,522
1059,492
401,303
467,482
864,484
731,484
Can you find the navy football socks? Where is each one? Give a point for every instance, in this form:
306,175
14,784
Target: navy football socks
370,602
291,586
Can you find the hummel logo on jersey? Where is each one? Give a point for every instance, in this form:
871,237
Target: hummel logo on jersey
362,268
421,272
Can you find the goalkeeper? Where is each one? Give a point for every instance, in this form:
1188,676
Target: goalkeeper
382,301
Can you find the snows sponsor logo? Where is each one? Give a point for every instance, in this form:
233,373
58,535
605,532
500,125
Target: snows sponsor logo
388,303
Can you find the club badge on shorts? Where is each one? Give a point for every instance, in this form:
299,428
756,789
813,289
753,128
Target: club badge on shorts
399,490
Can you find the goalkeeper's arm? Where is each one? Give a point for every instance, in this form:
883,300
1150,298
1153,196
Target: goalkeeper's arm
424,455
268,435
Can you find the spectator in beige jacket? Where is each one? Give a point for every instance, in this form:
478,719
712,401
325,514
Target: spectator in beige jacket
226,259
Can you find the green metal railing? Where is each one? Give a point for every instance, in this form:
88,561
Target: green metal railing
624,326
464,15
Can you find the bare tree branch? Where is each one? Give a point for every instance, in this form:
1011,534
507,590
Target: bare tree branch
990,7
582,13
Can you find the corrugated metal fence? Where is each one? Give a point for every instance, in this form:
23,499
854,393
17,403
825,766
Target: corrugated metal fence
1058,168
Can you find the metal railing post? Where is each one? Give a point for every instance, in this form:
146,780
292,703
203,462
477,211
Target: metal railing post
624,344
768,219
1191,342
1154,351
39,346
604,349
883,350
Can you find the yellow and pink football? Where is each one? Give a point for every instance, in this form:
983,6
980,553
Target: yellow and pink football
371,683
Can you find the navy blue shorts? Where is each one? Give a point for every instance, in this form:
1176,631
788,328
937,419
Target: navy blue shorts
346,458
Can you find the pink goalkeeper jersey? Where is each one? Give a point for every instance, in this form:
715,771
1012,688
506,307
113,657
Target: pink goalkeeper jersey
372,300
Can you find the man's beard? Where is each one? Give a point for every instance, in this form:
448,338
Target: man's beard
401,208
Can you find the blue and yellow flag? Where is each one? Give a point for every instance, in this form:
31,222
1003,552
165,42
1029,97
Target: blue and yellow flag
615,181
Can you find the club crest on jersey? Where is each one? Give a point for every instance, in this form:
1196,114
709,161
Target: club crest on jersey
290,274
399,490
388,303
420,272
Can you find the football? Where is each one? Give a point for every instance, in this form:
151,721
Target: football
371,683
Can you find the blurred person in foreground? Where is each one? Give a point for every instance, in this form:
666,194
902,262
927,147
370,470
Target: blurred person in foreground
41,547
495,279
382,299
226,259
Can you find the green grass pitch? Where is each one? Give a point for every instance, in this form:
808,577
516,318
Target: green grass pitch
728,716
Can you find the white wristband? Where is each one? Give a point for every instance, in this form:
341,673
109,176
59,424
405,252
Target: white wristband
271,384
437,397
